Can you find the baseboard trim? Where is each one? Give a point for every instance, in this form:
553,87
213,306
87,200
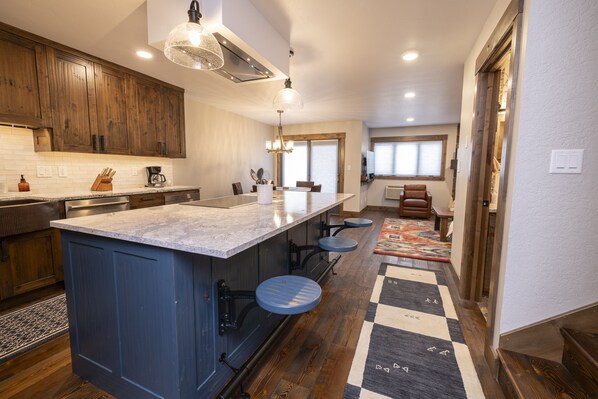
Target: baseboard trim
382,208
543,339
350,214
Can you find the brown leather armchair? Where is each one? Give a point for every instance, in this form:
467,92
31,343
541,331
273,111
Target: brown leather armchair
415,201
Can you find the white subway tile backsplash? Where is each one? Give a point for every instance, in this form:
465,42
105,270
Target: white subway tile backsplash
18,157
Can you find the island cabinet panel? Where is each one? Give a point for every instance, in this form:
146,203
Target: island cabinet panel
316,265
130,309
113,130
24,93
308,234
298,236
73,101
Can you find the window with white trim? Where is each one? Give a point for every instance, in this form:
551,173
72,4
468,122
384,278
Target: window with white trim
420,157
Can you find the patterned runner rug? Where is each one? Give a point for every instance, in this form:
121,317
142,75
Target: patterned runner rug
410,238
411,345
24,328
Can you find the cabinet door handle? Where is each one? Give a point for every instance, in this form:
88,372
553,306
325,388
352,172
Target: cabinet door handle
94,142
148,198
164,152
102,143
159,148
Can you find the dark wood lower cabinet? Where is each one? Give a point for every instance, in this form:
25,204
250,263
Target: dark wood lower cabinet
146,200
29,262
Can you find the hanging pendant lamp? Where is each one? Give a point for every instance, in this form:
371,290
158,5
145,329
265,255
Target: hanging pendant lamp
288,99
190,45
279,146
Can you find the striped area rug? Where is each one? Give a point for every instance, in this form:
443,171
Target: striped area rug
25,328
411,238
411,345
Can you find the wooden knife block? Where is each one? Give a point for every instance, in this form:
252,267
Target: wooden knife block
102,183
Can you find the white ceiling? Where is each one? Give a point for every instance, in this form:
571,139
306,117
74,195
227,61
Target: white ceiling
347,63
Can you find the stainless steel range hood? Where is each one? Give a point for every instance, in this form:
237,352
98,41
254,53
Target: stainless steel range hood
239,66
253,50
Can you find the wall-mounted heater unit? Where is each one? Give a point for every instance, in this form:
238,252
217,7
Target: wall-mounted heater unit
393,192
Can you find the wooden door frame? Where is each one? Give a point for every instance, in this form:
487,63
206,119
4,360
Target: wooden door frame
505,37
341,137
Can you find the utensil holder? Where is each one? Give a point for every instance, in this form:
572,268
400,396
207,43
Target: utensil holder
264,194
102,183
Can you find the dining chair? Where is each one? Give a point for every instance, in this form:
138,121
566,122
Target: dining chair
304,183
316,189
237,188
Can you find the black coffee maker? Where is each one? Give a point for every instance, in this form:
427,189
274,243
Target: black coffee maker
154,177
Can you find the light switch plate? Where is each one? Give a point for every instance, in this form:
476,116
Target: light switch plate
62,171
44,171
566,161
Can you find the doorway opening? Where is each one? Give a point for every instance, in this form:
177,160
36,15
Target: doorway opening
491,139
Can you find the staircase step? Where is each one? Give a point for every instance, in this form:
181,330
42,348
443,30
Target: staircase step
580,357
527,377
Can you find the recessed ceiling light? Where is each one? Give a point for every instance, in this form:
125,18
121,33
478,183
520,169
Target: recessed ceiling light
410,55
144,54
409,94
410,119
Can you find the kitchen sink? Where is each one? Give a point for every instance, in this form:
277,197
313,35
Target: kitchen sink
26,215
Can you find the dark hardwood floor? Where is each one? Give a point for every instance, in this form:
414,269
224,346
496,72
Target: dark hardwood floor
311,361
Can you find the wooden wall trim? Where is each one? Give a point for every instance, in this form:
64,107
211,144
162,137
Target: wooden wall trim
504,173
394,139
499,37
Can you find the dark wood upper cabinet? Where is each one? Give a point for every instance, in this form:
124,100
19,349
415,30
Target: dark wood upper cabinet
113,128
24,93
86,104
157,114
73,102
144,102
173,115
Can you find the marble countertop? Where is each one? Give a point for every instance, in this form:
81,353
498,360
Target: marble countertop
70,195
208,231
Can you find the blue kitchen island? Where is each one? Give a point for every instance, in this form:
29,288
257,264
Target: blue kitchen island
142,291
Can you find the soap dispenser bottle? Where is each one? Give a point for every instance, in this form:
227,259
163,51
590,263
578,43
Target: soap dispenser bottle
23,185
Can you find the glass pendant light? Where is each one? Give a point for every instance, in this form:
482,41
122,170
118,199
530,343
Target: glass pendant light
279,146
288,98
192,46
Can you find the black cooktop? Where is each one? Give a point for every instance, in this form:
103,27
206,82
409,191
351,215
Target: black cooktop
232,201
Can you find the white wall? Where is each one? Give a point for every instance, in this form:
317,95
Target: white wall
221,149
354,137
440,190
552,242
464,153
17,157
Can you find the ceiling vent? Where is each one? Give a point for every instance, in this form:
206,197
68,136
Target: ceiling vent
253,50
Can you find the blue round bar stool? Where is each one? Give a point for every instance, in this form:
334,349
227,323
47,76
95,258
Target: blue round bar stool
288,294
358,222
337,244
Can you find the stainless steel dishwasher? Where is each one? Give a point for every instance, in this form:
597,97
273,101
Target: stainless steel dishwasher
94,206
